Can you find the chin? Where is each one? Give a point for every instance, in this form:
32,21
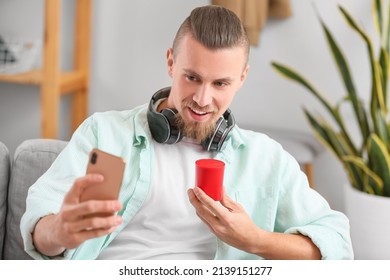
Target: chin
200,130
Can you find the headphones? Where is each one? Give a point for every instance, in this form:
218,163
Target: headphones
164,129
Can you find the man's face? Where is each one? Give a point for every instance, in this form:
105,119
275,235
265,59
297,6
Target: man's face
204,84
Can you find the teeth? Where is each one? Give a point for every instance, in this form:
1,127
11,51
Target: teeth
199,112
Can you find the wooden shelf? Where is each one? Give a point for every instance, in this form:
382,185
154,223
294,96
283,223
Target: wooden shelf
70,81
53,82
33,77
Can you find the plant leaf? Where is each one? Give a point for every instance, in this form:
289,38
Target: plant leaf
384,67
377,99
297,77
386,34
337,144
382,129
345,73
378,19
373,183
381,25
379,160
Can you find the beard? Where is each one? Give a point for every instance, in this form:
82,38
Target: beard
198,131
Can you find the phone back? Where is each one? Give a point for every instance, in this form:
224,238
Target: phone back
112,168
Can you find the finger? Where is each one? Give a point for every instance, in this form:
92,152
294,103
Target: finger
210,226
90,207
194,201
80,185
99,206
88,234
229,203
84,235
208,202
199,207
202,211
96,223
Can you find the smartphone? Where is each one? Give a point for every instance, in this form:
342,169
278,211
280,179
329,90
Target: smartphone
112,168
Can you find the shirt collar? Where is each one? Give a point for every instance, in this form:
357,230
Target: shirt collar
235,140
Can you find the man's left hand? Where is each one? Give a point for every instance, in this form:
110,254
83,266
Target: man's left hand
227,220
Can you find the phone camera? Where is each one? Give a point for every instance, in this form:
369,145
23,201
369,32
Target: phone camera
93,158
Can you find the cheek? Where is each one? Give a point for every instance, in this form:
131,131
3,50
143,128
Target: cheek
184,90
224,100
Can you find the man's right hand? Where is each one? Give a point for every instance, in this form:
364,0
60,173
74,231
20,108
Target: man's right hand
74,224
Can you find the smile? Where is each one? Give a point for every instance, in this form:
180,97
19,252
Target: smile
198,112
197,115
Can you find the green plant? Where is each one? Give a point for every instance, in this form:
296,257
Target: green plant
367,162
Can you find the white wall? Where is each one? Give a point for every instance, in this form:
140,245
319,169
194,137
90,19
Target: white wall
130,39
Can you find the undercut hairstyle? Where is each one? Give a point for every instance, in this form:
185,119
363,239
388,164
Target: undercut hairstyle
215,27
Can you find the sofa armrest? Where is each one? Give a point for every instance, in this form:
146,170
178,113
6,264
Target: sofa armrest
5,166
32,158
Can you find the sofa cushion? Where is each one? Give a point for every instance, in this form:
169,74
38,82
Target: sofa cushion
4,179
32,158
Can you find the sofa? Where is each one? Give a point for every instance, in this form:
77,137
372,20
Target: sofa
31,159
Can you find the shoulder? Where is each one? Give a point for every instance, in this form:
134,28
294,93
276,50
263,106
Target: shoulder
112,126
253,140
261,148
116,120
113,117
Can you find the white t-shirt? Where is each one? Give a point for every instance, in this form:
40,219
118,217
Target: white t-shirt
167,227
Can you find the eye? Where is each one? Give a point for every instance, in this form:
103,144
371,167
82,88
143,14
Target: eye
191,78
220,84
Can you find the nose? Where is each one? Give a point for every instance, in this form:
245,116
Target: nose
203,96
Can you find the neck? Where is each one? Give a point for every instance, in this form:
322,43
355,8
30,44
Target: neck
163,104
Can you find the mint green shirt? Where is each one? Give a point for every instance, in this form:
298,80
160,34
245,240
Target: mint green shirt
259,174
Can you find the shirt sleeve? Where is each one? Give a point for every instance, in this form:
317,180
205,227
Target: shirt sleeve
45,196
303,210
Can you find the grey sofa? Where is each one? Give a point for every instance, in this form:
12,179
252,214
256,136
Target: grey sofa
31,159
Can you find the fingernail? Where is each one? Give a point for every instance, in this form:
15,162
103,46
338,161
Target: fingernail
118,220
118,205
196,190
98,177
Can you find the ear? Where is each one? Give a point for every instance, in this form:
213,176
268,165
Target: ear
170,61
244,73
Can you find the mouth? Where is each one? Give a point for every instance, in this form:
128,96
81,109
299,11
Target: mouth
198,115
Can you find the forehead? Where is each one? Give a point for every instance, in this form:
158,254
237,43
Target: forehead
192,55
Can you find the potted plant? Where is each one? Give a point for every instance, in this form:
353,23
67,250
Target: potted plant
367,161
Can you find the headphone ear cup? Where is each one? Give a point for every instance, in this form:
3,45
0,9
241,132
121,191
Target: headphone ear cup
163,125
212,142
175,134
222,128
159,126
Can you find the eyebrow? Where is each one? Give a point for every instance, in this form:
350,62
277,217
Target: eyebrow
191,72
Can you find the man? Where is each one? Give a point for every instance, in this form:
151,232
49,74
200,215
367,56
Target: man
268,210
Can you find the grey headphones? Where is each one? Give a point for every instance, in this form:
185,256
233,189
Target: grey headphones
164,130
